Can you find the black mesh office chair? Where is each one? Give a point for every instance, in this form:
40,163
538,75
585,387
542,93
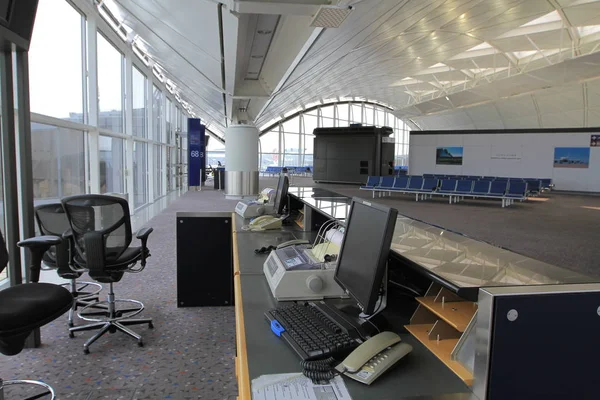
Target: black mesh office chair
101,235
52,220
26,307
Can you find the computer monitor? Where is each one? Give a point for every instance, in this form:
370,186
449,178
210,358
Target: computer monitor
362,261
281,194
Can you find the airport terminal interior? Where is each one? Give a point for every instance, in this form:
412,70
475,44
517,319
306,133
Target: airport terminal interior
470,127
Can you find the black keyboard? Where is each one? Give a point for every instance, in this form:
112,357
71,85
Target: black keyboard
310,332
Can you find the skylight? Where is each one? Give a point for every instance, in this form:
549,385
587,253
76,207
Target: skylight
482,46
588,30
550,17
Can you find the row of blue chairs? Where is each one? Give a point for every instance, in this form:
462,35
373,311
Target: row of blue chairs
535,185
454,189
272,170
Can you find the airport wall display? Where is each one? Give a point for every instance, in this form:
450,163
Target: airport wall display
449,156
571,157
567,156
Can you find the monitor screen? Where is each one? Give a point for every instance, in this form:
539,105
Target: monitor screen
281,194
364,253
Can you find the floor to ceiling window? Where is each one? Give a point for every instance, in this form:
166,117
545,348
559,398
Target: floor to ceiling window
112,165
140,174
56,77
58,161
110,86
290,143
140,100
157,113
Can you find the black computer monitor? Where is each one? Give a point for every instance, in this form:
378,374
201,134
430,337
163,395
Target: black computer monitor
362,261
281,194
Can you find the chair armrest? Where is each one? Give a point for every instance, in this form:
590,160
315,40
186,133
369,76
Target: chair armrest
38,246
70,246
143,234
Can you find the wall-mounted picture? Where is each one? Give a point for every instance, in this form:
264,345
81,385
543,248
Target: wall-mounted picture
571,157
449,156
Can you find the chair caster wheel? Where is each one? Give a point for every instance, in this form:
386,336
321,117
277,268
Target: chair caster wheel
70,324
71,335
86,350
150,325
112,329
140,344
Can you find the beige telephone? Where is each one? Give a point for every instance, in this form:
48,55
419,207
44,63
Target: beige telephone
264,223
375,356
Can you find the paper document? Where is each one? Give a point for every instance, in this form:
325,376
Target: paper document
296,387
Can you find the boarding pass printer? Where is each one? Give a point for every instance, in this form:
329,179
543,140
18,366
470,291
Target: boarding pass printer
263,205
303,271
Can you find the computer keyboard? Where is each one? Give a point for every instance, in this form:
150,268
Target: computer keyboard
310,332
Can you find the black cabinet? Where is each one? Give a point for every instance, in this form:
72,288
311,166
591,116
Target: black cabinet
204,259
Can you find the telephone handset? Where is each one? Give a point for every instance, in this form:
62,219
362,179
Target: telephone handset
292,243
375,356
265,222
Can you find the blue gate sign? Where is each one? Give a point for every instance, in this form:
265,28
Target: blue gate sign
196,152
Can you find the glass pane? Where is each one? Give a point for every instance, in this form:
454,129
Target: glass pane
112,165
327,112
309,144
292,126
157,110
342,113
56,76
380,117
140,113
168,118
110,86
308,160
269,142
310,124
327,123
269,159
356,114
140,174
291,160
215,158
58,161
292,143
369,117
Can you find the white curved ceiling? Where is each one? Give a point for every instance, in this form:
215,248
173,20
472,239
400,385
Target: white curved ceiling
459,64
440,64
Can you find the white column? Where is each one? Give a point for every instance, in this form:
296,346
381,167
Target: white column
241,153
129,129
93,135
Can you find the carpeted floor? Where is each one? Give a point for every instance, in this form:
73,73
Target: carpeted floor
190,353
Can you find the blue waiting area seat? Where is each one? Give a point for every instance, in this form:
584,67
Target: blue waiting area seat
372,183
457,187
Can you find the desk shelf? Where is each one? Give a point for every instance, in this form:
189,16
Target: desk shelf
457,314
442,349
441,323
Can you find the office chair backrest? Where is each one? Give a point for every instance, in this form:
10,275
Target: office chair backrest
99,216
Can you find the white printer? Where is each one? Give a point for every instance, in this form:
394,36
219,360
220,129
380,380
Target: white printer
263,205
304,272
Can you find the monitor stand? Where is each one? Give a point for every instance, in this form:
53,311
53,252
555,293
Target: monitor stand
347,313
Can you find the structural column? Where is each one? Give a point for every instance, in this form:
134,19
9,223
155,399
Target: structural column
241,155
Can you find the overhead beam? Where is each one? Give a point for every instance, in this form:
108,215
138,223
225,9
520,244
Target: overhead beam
281,7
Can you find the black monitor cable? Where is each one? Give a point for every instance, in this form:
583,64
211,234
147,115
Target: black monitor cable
265,250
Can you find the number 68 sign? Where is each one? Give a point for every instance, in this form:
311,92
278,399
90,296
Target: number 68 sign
196,154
